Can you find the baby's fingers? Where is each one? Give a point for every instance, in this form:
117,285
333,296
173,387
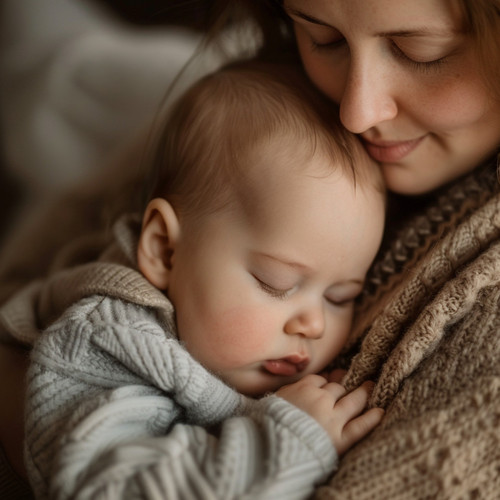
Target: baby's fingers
358,428
336,391
354,403
336,376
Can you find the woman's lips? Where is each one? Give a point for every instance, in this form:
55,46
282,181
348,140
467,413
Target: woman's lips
291,365
390,151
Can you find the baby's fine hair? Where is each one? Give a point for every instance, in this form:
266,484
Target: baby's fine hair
201,147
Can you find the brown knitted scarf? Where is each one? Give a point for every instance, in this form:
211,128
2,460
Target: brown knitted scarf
428,332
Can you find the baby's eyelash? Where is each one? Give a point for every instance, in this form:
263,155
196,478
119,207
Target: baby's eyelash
341,303
273,292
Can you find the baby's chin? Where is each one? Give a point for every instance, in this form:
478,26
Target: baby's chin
257,383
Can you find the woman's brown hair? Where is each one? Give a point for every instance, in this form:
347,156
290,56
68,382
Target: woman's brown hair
482,21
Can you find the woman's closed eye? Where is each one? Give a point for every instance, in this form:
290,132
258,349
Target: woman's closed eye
415,64
321,37
328,45
326,42
398,53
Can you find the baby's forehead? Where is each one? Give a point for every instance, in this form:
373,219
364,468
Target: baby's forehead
295,152
289,175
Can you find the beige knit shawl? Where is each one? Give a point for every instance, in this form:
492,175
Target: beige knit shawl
431,339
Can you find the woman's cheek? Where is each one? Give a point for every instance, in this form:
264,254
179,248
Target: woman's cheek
452,106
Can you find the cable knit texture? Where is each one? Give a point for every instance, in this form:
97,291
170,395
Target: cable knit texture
117,408
427,331
430,333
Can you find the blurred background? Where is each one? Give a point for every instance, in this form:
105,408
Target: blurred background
78,78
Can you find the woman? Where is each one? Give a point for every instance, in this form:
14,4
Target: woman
418,81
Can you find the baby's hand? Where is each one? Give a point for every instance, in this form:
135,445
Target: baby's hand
341,415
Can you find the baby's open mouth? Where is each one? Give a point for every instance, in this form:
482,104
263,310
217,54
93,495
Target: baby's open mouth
291,365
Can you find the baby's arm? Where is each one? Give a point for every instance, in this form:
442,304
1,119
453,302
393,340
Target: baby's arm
115,411
114,448
341,415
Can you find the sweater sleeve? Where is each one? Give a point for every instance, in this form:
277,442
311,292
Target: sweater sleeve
98,427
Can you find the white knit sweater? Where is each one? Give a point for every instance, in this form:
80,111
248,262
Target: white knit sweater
117,408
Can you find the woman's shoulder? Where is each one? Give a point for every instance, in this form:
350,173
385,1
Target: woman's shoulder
431,343
422,294
439,234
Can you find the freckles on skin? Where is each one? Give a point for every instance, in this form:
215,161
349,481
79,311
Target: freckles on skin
442,108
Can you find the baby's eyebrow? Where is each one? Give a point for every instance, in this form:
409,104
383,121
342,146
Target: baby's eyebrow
304,267
285,261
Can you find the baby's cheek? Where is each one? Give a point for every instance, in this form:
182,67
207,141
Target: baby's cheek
241,336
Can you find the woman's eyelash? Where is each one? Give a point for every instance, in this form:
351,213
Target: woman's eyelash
327,46
418,65
273,292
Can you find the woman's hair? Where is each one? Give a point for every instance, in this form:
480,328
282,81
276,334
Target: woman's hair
481,17
274,27
203,146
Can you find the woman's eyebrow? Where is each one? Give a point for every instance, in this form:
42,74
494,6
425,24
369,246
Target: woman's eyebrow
302,15
407,33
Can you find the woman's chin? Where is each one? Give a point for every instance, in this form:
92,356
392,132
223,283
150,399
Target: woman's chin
402,180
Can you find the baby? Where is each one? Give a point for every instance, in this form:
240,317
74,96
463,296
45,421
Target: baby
194,373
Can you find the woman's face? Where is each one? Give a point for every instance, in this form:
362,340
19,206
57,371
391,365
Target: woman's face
407,79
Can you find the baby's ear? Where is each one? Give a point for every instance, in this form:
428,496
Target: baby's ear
159,236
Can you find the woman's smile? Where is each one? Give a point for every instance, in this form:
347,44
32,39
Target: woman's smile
391,151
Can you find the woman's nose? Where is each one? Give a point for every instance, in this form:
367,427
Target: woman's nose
368,97
308,322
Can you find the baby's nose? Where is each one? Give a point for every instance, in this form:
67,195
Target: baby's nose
309,323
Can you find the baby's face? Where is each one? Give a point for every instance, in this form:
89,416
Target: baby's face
264,290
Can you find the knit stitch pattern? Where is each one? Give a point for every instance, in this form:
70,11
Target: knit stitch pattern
431,339
117,408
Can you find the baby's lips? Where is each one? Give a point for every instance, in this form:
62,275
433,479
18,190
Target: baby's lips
300,360
281,367
289,366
